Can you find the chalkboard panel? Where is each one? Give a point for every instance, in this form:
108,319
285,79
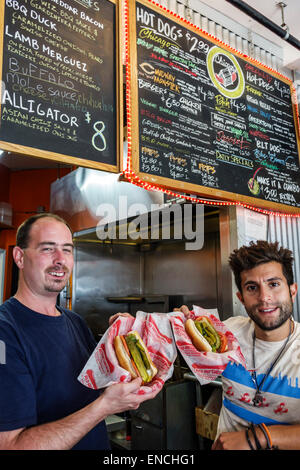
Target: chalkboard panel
60,79
206,120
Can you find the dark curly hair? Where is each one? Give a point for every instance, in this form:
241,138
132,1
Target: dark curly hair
248,257
23,232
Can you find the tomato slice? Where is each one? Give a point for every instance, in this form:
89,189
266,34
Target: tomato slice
206,318
128,352
223,340
125,345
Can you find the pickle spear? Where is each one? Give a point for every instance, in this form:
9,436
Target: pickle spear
138,357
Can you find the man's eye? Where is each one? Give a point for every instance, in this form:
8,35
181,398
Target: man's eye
48,249
251,288
274,284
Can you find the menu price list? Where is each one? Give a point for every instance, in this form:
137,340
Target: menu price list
211,118
58,77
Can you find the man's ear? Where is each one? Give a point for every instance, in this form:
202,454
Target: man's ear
293,290
18,255
240,297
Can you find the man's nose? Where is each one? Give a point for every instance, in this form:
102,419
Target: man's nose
264,293
59,256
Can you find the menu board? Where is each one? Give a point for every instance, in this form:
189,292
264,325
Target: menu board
59,72
209,121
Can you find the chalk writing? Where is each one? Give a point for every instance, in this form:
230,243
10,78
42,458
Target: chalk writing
59,76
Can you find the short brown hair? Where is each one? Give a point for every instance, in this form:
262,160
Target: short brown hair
23,232
248,257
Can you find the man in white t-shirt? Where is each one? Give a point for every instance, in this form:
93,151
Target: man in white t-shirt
261,404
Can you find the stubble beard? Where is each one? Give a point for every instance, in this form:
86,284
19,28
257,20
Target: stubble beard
285,312
54,288
57,285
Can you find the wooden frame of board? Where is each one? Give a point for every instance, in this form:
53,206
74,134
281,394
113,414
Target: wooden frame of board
133,162
61,157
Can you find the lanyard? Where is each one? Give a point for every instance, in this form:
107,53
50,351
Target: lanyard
258,397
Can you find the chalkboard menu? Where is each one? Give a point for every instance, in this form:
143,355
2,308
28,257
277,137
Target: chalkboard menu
209,121
59,80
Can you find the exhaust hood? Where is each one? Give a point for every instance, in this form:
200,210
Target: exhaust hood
82,196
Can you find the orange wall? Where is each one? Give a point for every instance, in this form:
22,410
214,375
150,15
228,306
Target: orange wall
25,190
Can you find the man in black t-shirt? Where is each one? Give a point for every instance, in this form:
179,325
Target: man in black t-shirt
42,405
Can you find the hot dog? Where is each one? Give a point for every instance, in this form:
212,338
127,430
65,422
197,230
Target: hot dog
204,336
134,357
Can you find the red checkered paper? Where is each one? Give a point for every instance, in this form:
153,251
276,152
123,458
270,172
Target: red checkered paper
102,368
206,366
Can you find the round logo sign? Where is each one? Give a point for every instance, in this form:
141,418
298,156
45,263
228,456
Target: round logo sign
225,72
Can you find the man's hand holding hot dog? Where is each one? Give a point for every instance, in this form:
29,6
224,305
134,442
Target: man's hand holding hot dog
185,310
117,315
124,396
